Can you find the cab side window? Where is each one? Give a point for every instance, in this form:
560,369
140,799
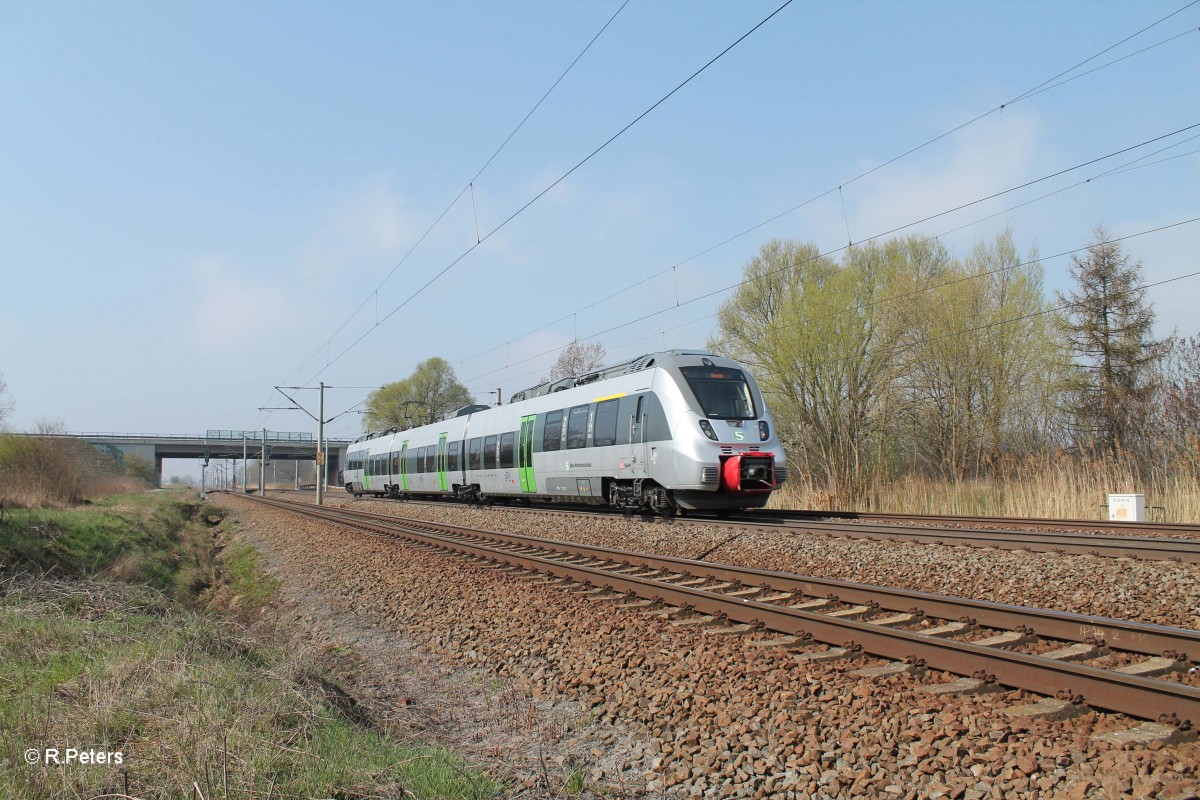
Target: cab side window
577,422
507,443
552,437
605,433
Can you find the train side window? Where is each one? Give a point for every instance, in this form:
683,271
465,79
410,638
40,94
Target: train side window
452,456
552,437
507,443
421,465
489,452
396,463
474,459
577,422
605,434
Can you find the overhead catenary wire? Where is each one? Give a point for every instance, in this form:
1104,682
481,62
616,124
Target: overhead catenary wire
873,237
1127,167
1044,86
553,184
809,320
1145,49
469,185
1091,58
933,287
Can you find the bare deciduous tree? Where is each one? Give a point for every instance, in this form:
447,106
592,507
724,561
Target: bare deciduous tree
6,405
978,345
1180,410
822,348
578,359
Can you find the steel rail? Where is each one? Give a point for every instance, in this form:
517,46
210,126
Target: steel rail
1130,694
1137,637
1006,537
992,523
1147,548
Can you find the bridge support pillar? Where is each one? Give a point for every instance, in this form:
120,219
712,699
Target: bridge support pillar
158,471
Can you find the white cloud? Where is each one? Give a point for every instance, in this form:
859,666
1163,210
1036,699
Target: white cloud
364,234
230,307
368,230
972,164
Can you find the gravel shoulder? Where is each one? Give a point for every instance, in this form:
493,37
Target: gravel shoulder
1158,592
646,708
406,684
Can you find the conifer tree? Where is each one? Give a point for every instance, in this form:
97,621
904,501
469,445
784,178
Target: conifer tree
1108,324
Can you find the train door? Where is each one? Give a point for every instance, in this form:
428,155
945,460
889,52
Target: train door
404,465
525,454
443,481
366,469
637,439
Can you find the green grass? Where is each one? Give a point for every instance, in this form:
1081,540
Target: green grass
245,579
185,694
136,538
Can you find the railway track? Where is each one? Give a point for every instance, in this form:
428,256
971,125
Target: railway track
1142,670
1176,529
1108,545
1104,545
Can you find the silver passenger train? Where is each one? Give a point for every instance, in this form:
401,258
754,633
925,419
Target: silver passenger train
666,431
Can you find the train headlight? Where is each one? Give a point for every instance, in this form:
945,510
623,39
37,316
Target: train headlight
764,430
708,429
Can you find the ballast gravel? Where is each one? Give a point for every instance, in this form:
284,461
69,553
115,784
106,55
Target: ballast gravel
650,709
1158,592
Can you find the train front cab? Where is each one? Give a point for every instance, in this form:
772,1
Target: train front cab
726,437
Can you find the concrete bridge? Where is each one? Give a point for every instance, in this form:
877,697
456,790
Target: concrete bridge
216,444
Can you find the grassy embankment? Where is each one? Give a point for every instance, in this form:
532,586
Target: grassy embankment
1063,487
42,471
128,626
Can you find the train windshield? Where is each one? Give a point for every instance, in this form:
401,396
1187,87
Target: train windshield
723,393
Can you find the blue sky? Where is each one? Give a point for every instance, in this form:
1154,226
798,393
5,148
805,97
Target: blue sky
193,197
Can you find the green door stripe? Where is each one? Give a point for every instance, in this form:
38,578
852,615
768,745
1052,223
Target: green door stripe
404,464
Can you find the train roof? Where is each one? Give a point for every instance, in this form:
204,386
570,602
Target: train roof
676,357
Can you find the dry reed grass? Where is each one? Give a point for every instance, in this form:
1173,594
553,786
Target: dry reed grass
49,472
1059,487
